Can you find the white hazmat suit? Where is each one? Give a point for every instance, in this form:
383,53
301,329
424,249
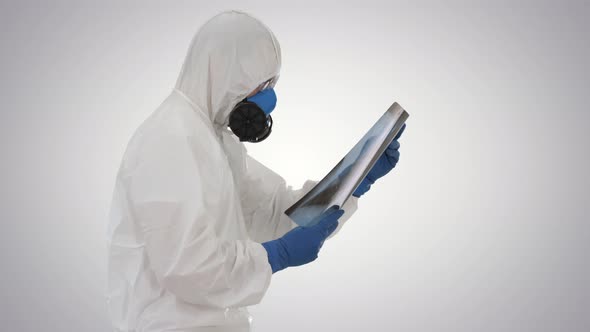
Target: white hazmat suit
190,207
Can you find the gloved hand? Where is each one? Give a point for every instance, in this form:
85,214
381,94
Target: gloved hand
301,245
384,164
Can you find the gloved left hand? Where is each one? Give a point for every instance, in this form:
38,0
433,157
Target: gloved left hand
384,165
301,245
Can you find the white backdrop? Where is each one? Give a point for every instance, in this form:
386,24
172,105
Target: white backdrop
483,226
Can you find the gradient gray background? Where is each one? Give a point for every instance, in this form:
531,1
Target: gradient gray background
483,226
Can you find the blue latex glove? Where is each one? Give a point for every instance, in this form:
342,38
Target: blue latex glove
301,245
384,165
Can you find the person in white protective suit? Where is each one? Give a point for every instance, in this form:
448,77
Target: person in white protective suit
197,225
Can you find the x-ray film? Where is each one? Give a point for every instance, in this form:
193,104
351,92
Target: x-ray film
337,187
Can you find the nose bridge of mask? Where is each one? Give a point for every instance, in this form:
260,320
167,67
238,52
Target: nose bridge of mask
265,99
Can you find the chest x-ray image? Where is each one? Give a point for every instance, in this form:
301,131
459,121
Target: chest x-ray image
338,185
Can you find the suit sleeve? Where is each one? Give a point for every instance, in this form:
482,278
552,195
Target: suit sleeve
168,202
265,198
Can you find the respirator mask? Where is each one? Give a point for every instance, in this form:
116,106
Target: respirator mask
250,119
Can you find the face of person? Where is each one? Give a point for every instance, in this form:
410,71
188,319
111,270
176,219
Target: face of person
259,88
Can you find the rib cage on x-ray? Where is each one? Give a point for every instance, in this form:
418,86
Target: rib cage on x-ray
337,187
